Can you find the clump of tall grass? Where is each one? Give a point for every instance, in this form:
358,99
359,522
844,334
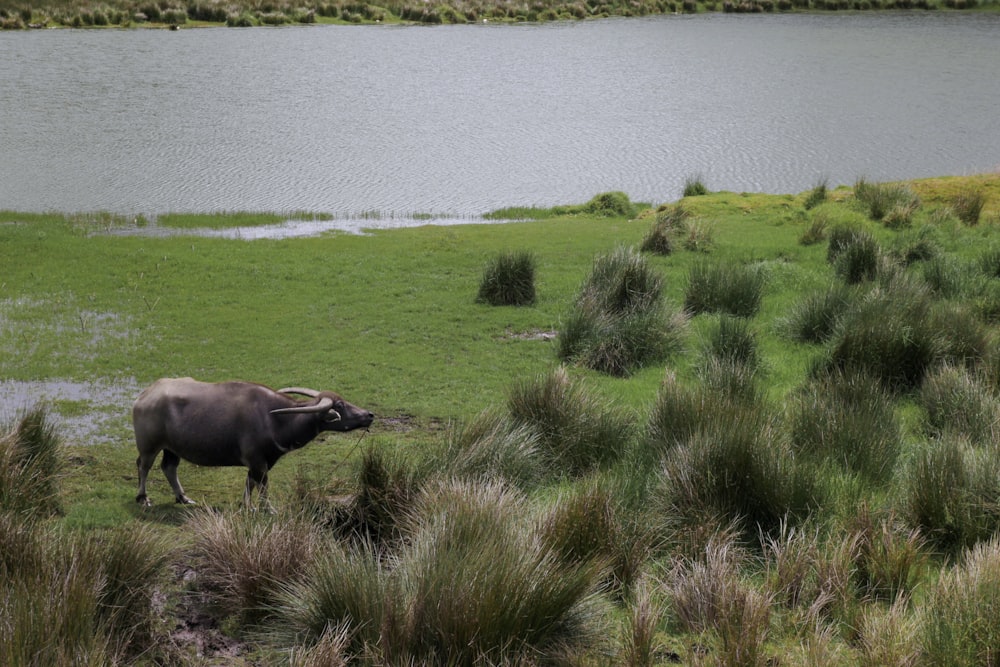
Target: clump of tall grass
888,635
589,523
968,205
816,196
919,245
841,236
710,597
30,464
694,186
890,557
576,429
858,258
847,418
508,280
815,318
733,341
619,322
816,231
965,338
724,287
610,204
960,402
79,599
471,584
671,222
881,199
891,335
736,465
639,642
386,486
949,491
958,623
989,262
241,558
493,446
948,277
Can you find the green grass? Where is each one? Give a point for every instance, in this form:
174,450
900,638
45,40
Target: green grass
826,503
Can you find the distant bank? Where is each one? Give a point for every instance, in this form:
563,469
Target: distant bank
172,14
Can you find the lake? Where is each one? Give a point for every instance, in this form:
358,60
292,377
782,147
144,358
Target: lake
460,120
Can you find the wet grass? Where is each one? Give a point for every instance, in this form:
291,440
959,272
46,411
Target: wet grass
812,482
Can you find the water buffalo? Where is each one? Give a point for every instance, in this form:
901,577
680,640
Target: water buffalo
231,424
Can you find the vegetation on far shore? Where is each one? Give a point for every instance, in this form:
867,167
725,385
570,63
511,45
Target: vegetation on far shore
21,14
780,447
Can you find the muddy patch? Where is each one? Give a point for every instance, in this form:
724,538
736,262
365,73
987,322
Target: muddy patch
290,229
530,334
85,413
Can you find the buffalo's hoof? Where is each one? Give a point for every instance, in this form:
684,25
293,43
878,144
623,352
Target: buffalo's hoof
143,500
184,500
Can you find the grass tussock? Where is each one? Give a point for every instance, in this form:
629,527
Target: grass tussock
959,402
949,491
893,204
724,287
671,225
508,280
469,585
30,465
240,559
847,419
815,318
957,626
619,322
576,429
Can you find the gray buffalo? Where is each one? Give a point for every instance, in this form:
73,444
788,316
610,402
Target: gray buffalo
231,424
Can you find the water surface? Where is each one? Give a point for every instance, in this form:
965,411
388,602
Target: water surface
460,120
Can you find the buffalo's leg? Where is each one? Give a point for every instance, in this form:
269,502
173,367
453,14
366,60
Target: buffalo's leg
169,466
144,463
257,477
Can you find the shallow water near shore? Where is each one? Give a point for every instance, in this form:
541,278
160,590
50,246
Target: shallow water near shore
467,119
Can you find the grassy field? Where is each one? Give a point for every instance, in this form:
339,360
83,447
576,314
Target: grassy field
21,14
801,470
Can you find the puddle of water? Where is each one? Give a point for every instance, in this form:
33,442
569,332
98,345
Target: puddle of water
99,418
297,228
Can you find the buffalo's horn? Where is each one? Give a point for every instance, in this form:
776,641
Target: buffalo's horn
323,405
311,393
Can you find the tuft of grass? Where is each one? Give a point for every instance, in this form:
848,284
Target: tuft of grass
817,195
710,597
958,625
968,205
30,464
493,446
882,199
890,335
724,287
694,186
959,402
847,418
815,318
859,259
508,280
576,429
588,523
610,205
469,585
619,322
949,492
737,465
816,232
671,222
242,558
